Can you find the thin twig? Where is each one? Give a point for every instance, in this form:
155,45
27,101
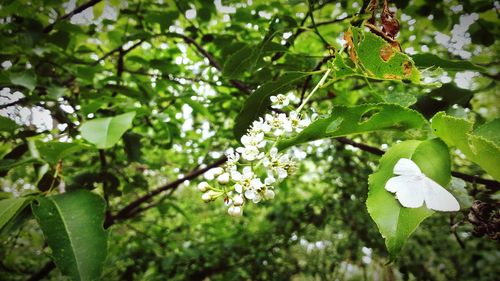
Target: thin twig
77,10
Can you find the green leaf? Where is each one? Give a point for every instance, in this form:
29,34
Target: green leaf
239,62
490,131
431,60
479,147
7,125
10,208
378,59
98,9
347,120
54,151
106,132
26,79
258,102
72,224
397,223
7,164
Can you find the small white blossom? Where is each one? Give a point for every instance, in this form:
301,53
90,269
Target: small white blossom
246,181
297,123
250,153
238,200
232,160
203,186
256,140
235,211
276,163
259,126
279,123
223,178
279,101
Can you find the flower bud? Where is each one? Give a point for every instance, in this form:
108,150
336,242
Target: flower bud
217,171
210,195
238,200
223,178
203,186
206,197
269,194
235,211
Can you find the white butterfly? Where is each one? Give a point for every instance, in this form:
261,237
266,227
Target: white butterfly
412,188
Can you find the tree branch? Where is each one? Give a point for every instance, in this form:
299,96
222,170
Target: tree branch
77,10
125,211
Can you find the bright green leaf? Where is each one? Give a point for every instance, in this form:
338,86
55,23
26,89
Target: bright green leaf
7,125
347,120
479,147
106,132
378,59
54,151
430,60
26,79
395,222
98,9
490,131
10,208
72,224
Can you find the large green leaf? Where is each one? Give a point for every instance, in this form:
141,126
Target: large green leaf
347,120
106,132
378,59
26,79
429,60
257,103
54,151
10,208
395,222
7,125
72,224
481,146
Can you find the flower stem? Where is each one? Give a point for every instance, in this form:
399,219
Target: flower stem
320,83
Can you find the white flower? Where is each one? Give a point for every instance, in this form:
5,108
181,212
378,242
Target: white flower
232,160
276,163
250,153
203,186
255,140
279,101
235,211
223,178
269,180
246,181
297,123
279,123
238,200
259,126
253,195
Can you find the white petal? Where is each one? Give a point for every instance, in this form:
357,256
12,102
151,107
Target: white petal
238,188
247,172
269,194
282,173
410,193
235,175
250,194
257,198
274,98
438,198
406,167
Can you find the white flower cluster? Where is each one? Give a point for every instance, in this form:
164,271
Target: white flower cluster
258,149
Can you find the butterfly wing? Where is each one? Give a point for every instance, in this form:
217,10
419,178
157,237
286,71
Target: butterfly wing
406,167
438,198
408,190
